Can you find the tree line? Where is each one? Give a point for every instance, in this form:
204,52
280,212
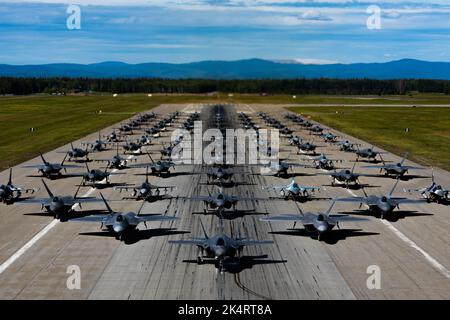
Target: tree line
25,86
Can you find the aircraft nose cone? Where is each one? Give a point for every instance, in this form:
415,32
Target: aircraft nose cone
119,228
220,252
440,193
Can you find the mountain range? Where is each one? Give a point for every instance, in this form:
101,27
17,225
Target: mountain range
240,69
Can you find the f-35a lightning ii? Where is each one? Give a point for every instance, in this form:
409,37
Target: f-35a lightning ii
60,206
294,191
316,224
220,247
94,176
122,225
158,168
434,193
384,205
145,192
347,177
369,154
52,170
322,162
10,193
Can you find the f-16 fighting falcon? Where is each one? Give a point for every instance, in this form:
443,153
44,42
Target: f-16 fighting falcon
51,170
381,206
60,206
434,193
144,191
220,247
122,225
294,191
316,224
10,193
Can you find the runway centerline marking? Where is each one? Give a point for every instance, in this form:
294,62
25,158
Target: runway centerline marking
432,261
39,235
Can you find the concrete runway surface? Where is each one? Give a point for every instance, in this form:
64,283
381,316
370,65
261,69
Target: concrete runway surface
413,253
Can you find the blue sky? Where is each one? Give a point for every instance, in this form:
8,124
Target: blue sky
309,31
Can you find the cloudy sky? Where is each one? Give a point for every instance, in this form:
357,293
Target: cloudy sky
309,31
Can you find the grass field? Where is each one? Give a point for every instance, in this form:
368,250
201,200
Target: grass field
428,141
60,119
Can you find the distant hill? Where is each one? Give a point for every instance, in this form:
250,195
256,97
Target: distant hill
240,69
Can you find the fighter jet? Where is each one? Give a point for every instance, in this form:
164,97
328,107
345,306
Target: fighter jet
281,168
397,170
306,147
220,247
94,176
347,177
315,224
219,174
322,162
51,170
382,206
117,162
10,193
368,154
158,168
112,137
97,145
144,191
219,202
60,206
122,225
434,193
133,147
125,129
316,129
329,137
347,146
294,191
77,154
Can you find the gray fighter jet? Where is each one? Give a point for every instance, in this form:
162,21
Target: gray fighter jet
220,247
146,191
434,193
97,145
94,176
158,168
384,205
117,162
368,154
294,191
316,224
51,170
397,170
347,146
322,162
122,225
60,206
347,177
10,193
77,154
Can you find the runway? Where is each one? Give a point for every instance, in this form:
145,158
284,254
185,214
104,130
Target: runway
413,253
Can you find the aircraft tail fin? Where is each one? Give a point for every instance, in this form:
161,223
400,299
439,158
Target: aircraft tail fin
50,194
204,230
106,204
42,157
393,188
331,207
432,175
10,177
404,157
146,174
79,186
353,169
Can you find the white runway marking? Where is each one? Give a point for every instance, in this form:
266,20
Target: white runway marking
38,236
434,263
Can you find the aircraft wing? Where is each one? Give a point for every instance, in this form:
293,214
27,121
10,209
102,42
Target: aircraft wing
87,200
353,199
154,217
42,201
284,217
340,218
192,242
410,201
36,166
101,219
253,242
